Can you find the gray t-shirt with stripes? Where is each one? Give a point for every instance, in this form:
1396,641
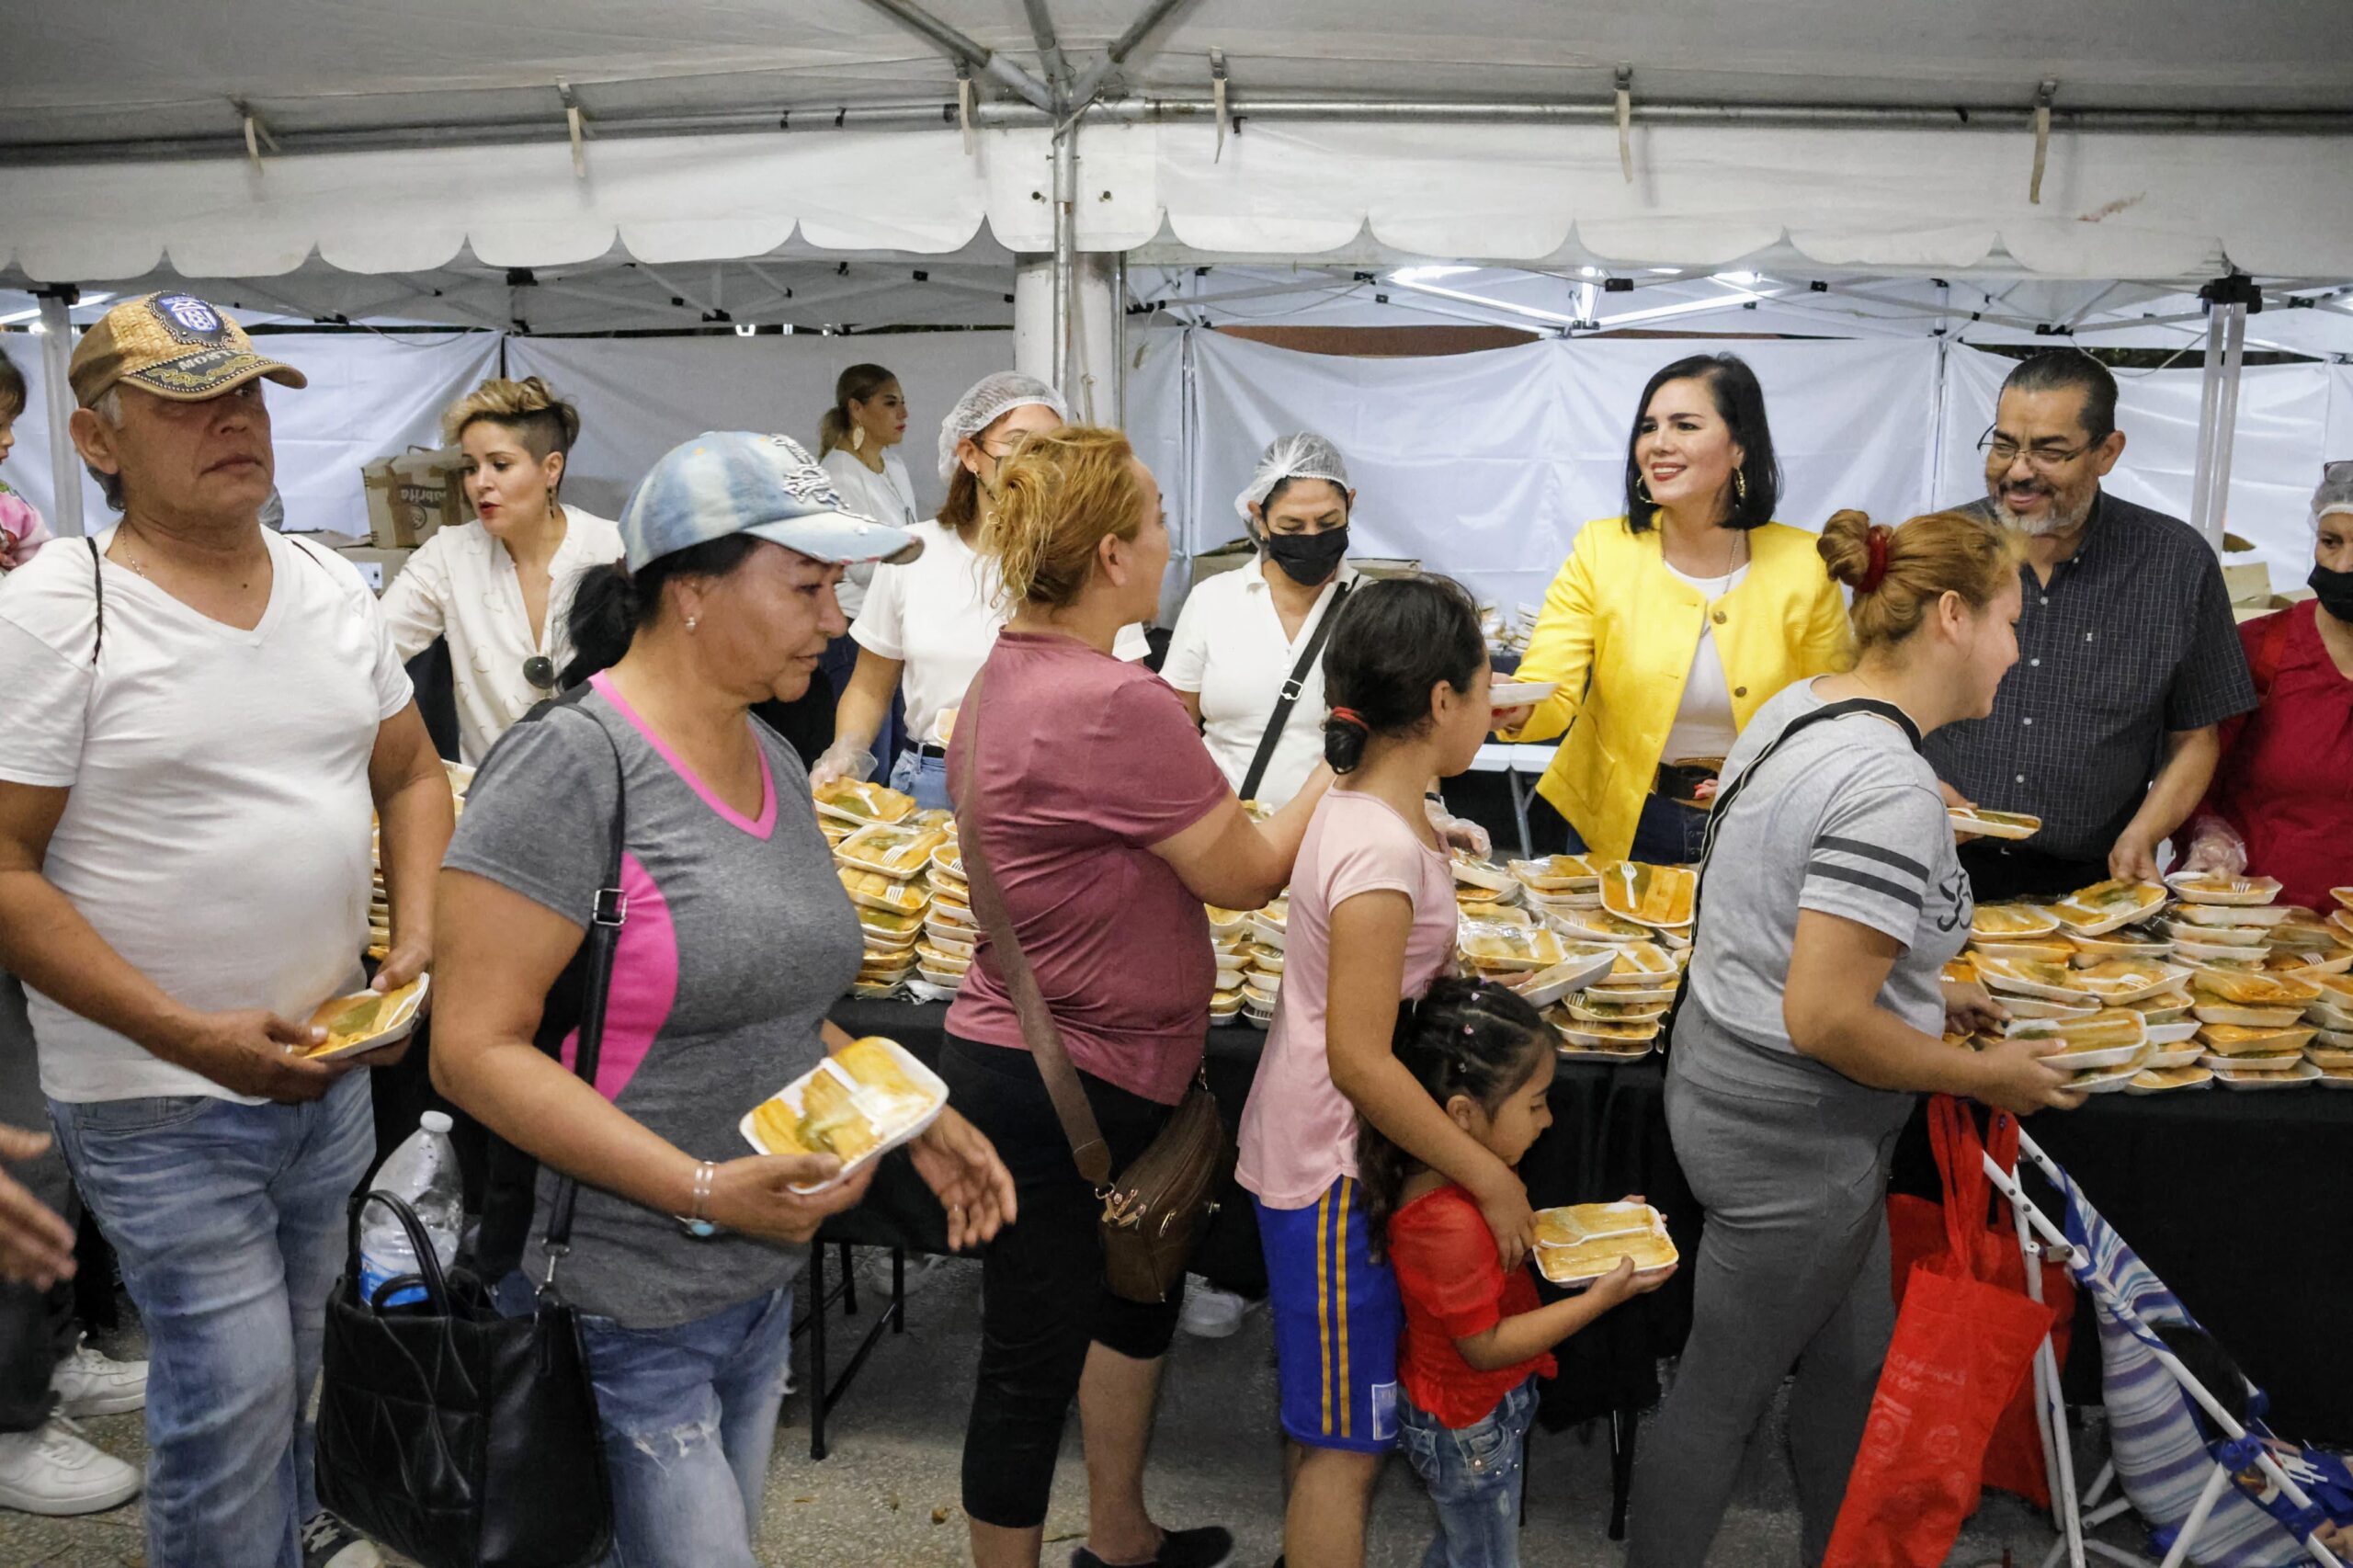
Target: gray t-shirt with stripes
1846,819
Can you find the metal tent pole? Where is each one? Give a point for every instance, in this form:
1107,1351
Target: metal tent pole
1065,248
2229,300
65,463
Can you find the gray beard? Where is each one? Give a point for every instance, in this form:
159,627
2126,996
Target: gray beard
2054,521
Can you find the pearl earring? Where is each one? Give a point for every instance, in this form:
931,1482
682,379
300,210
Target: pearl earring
690,623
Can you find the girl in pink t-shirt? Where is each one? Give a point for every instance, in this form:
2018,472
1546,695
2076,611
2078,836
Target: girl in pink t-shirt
1371,925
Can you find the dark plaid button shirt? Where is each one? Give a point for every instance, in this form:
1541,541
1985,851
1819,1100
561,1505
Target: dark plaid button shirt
2133,638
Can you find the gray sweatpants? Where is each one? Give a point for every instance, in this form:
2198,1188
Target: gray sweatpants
1792,1271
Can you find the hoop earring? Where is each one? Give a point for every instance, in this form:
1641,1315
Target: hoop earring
1642,490
1740,486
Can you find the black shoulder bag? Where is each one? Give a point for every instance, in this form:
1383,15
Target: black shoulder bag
1289,699
1731,792
459,1437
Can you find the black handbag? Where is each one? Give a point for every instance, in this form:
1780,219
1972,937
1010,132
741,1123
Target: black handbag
454,1435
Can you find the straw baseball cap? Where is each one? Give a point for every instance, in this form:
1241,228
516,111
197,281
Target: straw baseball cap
175,345
734,482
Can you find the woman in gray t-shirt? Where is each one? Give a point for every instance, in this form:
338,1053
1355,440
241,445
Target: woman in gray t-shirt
736,938
1832,900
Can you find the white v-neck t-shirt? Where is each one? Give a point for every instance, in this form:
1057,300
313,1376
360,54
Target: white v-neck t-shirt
217,832
1703,721
939,615
888,497
1229,647
462,585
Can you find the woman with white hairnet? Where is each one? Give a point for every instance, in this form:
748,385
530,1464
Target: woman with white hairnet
2283,790
1246,639
929,624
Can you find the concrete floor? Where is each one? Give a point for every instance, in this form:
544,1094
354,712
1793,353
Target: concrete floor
888,1493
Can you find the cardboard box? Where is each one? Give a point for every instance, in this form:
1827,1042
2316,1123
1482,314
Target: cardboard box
412,495
378,566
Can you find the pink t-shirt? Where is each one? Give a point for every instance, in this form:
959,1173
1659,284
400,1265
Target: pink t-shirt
1299,1132
1085,762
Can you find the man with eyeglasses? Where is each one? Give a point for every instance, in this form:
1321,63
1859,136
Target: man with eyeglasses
2108,726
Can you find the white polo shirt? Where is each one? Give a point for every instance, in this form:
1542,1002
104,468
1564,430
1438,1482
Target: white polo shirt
939,615
887,497
1229,648
462,585
216,835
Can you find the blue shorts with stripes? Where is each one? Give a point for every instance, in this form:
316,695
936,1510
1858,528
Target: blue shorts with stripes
1337,1321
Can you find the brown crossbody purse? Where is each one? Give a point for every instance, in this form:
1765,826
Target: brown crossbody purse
1155,1212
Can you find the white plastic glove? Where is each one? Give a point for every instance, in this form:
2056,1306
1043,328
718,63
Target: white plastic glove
1460,833
841,760
2217,848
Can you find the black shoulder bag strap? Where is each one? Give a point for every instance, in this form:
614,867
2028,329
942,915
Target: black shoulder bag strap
1289,699
1844,708
98,587
605,921
576,1000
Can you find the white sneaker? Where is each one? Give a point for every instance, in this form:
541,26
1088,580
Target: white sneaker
328,1543
90,1383
1210,1312
53,1472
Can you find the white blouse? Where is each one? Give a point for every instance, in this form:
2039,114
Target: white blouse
460,585
887,497
1703,722
939,615
1229,647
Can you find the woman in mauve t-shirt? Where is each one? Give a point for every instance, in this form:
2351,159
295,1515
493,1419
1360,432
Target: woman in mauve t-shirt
1373,924
1106,826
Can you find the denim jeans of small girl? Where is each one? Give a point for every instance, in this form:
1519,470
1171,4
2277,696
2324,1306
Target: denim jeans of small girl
1474,1475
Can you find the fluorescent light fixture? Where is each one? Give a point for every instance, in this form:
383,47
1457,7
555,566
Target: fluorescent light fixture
1732,301
1739,279
1591,272
1427,274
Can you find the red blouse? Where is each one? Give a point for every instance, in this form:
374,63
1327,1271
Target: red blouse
2285,780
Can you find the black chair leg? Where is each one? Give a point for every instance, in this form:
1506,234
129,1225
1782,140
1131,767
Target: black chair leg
817,1353
898,1289
849,1284
1622,1468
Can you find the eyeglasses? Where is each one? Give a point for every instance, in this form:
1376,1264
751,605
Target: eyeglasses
540,670
2005,451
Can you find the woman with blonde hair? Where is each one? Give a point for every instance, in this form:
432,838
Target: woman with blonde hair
1832,897
497,588
925,626
1107,826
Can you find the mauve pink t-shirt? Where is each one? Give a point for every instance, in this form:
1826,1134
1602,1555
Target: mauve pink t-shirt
1299,1132
1085,762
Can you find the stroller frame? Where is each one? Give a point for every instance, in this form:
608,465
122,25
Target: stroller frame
2038,1239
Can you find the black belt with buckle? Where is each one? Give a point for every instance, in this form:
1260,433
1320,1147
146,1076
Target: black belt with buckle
926,748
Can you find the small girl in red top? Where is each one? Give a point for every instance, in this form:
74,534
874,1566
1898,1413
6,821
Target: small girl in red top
1476,1339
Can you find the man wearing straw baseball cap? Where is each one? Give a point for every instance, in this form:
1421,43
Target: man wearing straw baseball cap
203,716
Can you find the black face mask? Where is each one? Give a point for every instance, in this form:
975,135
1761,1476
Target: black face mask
1309,558
2335,591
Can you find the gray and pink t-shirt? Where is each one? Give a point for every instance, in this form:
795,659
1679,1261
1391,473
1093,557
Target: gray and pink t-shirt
738,940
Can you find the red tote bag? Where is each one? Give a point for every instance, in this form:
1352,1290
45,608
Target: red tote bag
1916,1234
1962,1347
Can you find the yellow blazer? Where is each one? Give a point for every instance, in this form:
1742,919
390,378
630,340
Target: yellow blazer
1618,633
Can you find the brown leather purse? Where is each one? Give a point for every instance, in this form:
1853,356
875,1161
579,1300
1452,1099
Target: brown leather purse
1155,1212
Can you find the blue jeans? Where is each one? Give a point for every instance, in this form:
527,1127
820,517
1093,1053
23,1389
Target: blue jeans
689,1416
925,778
1668,834
1474,1475
229,1223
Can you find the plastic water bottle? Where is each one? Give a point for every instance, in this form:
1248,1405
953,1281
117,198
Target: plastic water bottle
422,1173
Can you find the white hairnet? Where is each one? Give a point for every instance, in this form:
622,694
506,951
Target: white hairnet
990,398
2336,491
1303,455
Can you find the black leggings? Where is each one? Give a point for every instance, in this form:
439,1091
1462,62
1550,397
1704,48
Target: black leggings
1043,1300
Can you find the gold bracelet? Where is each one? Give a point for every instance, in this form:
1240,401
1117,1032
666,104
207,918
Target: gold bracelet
705,1174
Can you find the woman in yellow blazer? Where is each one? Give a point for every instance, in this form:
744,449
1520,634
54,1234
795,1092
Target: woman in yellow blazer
1669,626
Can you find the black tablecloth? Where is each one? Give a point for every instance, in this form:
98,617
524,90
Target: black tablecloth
2242,1202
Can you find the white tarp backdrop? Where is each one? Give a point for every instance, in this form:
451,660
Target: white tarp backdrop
640,396
1483,465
